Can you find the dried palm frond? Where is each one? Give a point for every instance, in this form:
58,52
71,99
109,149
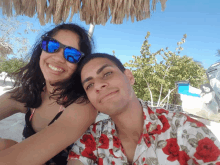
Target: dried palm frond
66,10
29,7
163,4
50,10
91,11
57,17
75,8
18,7
6,7
41,8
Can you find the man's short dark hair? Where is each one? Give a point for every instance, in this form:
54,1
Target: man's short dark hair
115,60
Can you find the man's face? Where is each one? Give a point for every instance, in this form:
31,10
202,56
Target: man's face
107,87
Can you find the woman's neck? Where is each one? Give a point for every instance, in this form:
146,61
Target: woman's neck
48,89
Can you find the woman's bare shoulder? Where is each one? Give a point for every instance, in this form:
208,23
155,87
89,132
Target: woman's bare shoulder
79,113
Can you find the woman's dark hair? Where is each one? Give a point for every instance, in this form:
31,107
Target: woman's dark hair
29,80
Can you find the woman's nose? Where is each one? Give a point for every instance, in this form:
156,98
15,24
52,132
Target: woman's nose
59,57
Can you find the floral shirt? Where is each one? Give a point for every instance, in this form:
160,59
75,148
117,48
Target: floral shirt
168,138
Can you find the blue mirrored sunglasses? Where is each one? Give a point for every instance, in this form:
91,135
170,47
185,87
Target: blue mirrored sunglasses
51,45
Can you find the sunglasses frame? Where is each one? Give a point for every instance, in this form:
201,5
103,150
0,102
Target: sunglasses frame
61,46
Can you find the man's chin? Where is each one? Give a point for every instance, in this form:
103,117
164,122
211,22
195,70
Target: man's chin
109,107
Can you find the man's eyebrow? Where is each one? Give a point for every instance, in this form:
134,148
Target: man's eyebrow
98,71
101,69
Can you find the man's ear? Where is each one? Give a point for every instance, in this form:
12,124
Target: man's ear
130,76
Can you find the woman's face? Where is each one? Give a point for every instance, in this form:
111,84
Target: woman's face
54,66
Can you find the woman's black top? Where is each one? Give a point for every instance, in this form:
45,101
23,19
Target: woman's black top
59,159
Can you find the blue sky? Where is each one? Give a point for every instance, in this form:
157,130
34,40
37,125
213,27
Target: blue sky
199,19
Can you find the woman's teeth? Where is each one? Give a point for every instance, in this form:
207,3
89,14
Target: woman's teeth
55,69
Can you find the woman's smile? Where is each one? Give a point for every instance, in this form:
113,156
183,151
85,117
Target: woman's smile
55,68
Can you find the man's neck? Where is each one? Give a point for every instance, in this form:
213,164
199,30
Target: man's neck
129,123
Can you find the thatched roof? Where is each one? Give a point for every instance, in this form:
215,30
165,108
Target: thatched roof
91,11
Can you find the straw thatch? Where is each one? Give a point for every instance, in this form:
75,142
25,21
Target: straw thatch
91,11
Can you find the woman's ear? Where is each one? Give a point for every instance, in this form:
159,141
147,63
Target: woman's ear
130,76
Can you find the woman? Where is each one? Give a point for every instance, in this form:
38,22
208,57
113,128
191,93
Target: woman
43,88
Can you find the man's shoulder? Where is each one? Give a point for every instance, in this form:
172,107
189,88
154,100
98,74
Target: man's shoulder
178,118
172,117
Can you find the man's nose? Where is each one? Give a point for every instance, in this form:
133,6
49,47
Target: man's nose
100,86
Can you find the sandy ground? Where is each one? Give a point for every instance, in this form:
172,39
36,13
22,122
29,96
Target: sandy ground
12,127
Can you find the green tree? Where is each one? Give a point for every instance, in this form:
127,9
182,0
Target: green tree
156,78
12,65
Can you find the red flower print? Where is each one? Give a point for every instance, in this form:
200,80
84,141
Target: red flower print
195,162
94,128
113,131
73,155
153,137
89,142
100,161
199,124
144,116
139,141
116,142
90,146
218,163
207,150
165,123
113,163
161,111
144,160
89,154
171,149
150,111
147,139
104,141
111,152
183,158
155,131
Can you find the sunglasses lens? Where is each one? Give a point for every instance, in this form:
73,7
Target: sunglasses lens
50,46
72,55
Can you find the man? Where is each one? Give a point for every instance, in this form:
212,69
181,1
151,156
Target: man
135,134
